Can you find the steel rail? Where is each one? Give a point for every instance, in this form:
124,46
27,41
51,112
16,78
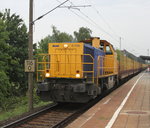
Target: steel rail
28,117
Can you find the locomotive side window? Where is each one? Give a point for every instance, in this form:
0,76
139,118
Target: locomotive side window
108,50
101,46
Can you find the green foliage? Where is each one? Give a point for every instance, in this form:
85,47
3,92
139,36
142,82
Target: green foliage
13,45
43,44
18,106
83,34
13,52
58,36
18,110
119,54
5,90
5,86
4,56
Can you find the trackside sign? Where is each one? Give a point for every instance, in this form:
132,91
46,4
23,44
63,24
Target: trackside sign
29,65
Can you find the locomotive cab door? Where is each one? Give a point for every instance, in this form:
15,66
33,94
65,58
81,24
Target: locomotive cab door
110,68
110,59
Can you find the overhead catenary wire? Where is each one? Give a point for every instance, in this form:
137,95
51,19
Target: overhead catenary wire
89,20
69,7
98,11
94,23
75,7
99,26
77,14
49,11
109,26
80,16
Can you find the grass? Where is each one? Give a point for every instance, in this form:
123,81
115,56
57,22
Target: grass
4,115
19,108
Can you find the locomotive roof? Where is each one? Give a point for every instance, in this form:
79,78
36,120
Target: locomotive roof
89,40
105,41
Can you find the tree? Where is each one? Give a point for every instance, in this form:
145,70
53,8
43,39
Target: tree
5,90
83,34
5,85
4,47
56,36
43,44
4,56
16,50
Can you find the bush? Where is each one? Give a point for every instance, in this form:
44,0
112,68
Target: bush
5,90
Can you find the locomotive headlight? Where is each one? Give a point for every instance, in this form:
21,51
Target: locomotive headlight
47,74
65,45
77,75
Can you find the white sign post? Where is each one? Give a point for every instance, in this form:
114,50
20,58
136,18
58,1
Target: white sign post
29,65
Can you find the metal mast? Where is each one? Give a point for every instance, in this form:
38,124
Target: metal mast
30,56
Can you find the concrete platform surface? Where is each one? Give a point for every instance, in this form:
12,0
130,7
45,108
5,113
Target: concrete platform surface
126,107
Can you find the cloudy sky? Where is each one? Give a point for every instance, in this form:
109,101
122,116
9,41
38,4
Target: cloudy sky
108,19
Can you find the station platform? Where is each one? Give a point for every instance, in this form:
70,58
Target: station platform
126,107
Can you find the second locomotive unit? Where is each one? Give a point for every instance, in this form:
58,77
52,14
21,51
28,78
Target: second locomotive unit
79,72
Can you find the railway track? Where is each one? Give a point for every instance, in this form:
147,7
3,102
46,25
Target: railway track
55,116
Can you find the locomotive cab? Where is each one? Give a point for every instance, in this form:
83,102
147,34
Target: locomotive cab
110,70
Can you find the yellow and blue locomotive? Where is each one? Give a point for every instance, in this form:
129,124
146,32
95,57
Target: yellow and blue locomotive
79,72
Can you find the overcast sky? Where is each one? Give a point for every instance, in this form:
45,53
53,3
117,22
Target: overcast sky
108,19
